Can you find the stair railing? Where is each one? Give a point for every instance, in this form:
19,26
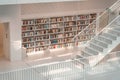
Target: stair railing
97,26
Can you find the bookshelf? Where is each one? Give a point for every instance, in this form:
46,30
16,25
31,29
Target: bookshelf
55,32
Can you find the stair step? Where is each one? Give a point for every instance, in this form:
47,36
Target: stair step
84,61
94,49
110,36
85,52
89,50
85,55
117,28
78,56
104,39
100,43
115,32
97,47
81,56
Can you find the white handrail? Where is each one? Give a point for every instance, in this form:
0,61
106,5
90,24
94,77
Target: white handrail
111,8
105,27
114,5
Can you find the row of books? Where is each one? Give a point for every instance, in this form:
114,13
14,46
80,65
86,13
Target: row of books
42,20
44,32
66,28
43,26
84,22
57,25
84,37
28,45
40,48
24,28
71,23
60,46
70,18
42,43
58,19
31,28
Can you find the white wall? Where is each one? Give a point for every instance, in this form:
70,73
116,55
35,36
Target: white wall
11,14
64,8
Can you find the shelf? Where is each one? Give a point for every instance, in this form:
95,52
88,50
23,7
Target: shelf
69,31
69,37
40,35
27,42
56,38
42,21
55,32
56,43
28,22
69,18
27,36
42,45
56,19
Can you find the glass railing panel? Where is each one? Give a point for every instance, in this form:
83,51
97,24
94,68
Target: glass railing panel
98,25
76,69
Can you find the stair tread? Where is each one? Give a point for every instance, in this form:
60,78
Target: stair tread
83,61
90,53
84,55
105,37
116,33
101,41
109,36
112,34
87,53
115,25
97,47
81,56
93,49
95,52
100,36
117,28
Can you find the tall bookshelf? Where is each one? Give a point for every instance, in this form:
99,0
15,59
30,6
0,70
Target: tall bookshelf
55,32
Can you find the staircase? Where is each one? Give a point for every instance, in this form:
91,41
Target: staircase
103,42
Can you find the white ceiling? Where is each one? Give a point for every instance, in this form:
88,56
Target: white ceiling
6,2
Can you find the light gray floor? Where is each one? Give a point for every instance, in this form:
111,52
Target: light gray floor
65,71
59,69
